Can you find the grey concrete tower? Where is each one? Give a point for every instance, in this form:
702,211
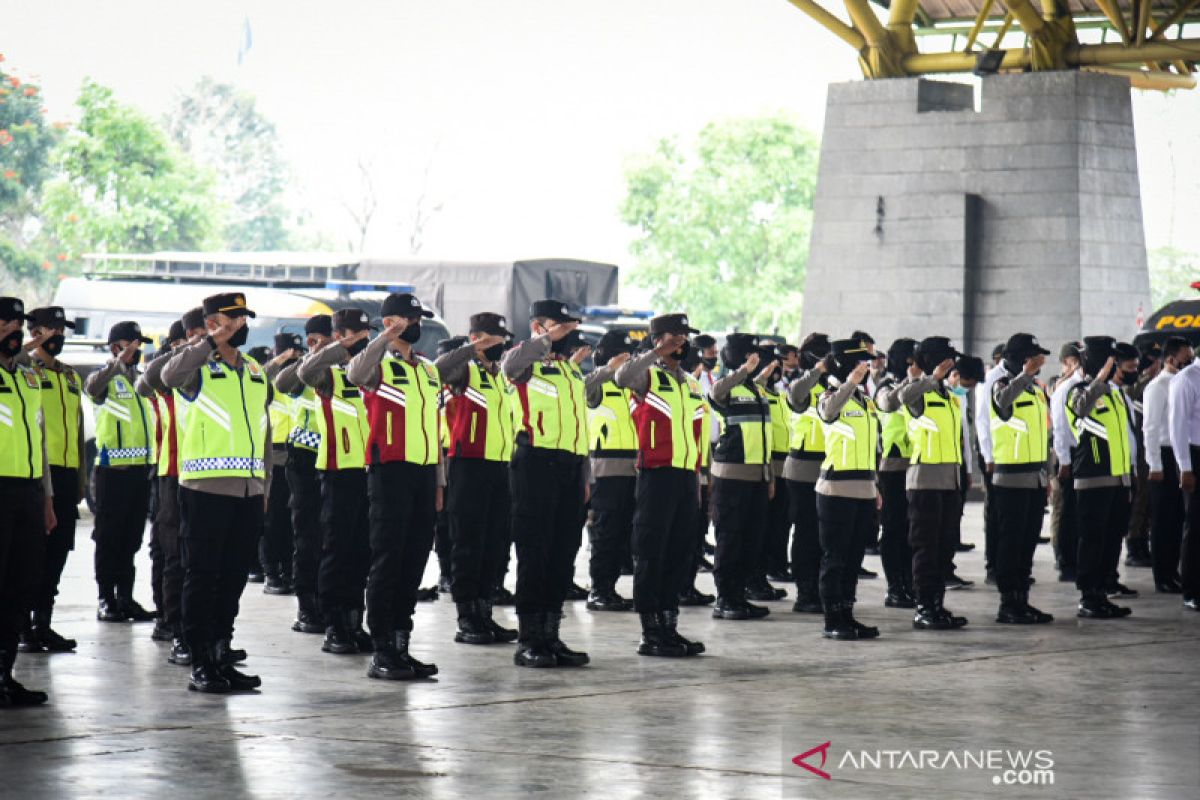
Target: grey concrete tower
934,218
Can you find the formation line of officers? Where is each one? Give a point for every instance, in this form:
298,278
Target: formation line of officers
329,463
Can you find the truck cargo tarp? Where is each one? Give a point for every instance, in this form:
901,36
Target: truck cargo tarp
458,289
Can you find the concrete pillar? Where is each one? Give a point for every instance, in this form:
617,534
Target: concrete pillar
932,218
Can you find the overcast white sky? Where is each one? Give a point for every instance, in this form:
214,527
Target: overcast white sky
525,109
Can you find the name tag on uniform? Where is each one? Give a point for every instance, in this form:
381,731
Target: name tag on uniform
214,370
854,412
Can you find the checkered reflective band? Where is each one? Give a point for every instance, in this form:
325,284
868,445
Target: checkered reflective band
129,452
215,464
305,438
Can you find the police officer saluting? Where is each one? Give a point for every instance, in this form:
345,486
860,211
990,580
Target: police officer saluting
402,396
1019,421
669,415
478,502
549,481
275,549
224,455
125,451
26,496
61,390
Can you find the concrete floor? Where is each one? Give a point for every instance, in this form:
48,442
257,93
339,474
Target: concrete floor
1114,702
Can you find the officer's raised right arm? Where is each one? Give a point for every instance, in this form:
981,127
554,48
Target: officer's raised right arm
799,394
453,366
722,386
96,385
288,380
593,384
518,362
634,374
181,370
912,395
313,369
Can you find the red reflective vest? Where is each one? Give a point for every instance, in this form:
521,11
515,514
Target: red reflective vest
404,413
670,422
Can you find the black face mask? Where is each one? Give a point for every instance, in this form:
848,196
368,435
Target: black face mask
1129,378
412,334
12,344
494,352
562,347
709,363
683,352
1013,366
239,337
357,347
54,345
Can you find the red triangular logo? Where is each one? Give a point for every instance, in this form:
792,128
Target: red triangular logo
823,750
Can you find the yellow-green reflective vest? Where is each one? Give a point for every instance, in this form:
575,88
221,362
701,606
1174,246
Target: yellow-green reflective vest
225,435
305,433
937,435
553,407
1021,442
342,425
60,405
894,430
20,434
405,413
808,431
1102,437
746,430
852,441
481,423
610,425
124,426
779,424
281,418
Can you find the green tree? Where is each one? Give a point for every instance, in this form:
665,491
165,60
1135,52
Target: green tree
723,227
221,128
124,187
1172,272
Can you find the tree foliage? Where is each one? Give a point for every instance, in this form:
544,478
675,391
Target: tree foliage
1172,272
221,128
723,226
124,187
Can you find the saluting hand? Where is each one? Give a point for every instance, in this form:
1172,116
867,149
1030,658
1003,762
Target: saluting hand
859,373
752,362
914,371
1108,368
765,371
129,352
669,344
559,330
286,355
619,360
943,369
224,332
8,327
579,355
1033,364
391,331
486,341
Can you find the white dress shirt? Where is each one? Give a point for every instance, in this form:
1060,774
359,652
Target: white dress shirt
706,384
1064,437
1183,404
1155,434
964,401
983,419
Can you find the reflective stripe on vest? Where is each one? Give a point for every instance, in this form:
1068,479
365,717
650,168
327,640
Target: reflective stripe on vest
480,421
852,441
611,431
807,440
668,419
124,426
168,439
937,435
746,432
1102,437
553,407
281,418
226,429
780,434
894,431
60,405
306,414
20,434
1022,440
342,424
405,423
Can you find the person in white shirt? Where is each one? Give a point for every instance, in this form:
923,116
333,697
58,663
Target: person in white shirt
1166,498
1063,527
1183,409
705,348
983,432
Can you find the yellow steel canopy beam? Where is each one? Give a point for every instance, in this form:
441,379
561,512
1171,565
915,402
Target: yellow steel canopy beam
980,19
1113,12
1143,21
882,57
900,22
1174,17
831,23
1141,79
1087,55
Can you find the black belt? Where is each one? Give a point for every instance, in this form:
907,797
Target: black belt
806,455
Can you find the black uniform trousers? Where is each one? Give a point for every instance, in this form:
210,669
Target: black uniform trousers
22,535
774,552
304,488
934,516
1067,539
345,551
61,540
1019,522
668,500
218,534
403,511
991,523
806,540
700,535
165,534
275,548
478,503
610,528
122,503
1190,571
894,551
1166,520
846,524
547,523
443,545
1103,515
740,517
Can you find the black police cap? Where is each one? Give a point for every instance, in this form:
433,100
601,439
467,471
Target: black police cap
1024,345
671,323
193,319
231,304
321,324
403,304
551,309
489,323
351,319
12,308
848,350
176,332
288,341
127,332
50,317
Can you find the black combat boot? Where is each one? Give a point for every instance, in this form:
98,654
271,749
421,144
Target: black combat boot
692,596
12,693
180,655
503,597
419,668
899,595
225,653
576,592
808,600
50,640
1037,616
274,582
1011,611
131,608
927,616
206,673
607,599
837,625
532,649
863,631
238,680
655,640
362,639
386,664
471,627
670,621
501,634
945,613
29,642
759,589
109,610
339,636
308,618
563,655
